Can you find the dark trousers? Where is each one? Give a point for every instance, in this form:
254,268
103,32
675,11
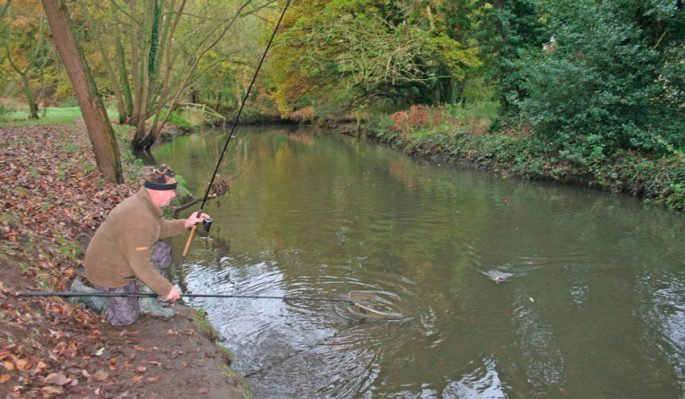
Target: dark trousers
124,311
121,310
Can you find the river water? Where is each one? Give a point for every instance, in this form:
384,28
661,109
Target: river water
510,289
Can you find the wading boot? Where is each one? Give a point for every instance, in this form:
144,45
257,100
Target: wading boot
95,303
151,306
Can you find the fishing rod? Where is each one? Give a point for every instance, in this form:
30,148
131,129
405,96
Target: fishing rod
230,135
153,295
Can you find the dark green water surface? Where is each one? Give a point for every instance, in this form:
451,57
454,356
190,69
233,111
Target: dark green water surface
591,302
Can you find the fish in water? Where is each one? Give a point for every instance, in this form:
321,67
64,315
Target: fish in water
497,276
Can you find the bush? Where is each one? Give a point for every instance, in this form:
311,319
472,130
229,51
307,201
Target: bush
607,84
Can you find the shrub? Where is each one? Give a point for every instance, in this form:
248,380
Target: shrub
609,82
410,120
303,115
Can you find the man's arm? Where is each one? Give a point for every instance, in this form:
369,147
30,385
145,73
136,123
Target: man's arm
172,228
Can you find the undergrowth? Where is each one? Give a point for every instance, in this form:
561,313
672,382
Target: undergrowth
511,148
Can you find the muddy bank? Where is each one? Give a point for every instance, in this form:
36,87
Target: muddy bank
52,200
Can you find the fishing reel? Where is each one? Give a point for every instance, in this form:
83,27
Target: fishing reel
207,224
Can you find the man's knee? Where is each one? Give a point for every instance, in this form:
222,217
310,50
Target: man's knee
122,315
161,255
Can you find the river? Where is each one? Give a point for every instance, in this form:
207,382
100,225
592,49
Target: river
508,288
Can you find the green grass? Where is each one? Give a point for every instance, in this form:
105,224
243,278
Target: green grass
484,109
48,116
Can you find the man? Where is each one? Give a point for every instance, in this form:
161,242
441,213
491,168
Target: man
121,251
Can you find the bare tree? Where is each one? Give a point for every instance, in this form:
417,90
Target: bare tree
165,43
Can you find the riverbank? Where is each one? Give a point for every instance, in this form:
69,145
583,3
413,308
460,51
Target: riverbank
53,199
512,150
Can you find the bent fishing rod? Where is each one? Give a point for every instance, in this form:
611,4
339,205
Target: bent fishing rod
69,294
230,135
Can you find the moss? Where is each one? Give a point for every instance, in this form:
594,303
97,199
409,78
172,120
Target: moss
204,326
225,353
239,382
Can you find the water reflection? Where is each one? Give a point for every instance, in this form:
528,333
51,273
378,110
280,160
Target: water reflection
514,289
483,382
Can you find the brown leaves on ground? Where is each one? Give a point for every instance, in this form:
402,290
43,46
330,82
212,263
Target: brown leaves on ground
51,201
52,198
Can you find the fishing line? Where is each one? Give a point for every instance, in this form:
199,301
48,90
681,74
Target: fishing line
148,295
233,126
359,305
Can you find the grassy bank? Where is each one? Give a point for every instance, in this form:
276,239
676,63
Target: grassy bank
467,136
47,116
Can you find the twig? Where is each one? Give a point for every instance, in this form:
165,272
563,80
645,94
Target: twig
191,203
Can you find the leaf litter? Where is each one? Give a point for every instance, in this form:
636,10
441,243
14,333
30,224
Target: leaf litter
52,198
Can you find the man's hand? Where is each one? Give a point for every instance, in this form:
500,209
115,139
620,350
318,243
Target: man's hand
174,294
194,219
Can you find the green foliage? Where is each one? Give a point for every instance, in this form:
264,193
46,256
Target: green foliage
4,114
178,119
606,83
509,30
182,190
355,53
659,179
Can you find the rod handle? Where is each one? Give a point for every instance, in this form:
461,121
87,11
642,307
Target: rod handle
190,238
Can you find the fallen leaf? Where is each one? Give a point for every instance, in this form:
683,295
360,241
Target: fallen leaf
52,390
56,379
39,367
152,379
158,364
7,365
20,363
171,332
4,378
141,369
101,375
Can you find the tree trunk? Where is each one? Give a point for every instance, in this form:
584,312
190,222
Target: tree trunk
5,8
194,96
100,130
219,96
123,79
25,84
33,106
125,88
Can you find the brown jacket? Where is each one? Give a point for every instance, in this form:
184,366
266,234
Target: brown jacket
122,245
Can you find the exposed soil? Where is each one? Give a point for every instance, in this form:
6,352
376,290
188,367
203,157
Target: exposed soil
52,200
